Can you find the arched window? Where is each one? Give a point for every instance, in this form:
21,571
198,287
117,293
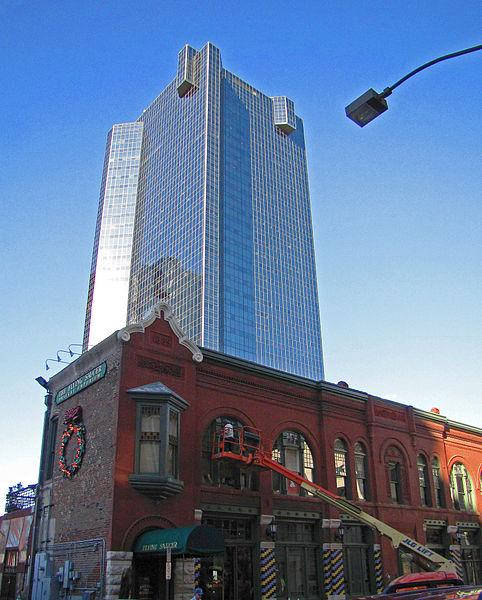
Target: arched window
461,486
361,469
224,473
292,451
341,468
394,465
437,483
423,481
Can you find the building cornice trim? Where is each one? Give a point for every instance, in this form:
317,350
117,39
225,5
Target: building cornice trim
162,310
449,424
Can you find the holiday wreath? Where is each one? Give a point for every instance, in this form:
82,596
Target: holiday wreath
73,427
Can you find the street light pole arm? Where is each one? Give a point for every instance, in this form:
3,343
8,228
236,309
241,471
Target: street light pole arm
371,104
387,91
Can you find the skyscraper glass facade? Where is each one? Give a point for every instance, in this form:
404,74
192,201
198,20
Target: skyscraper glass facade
111,258
223,227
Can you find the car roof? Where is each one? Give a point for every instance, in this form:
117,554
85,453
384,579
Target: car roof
462,592
435,576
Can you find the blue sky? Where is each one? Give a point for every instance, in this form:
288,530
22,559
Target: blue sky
396,206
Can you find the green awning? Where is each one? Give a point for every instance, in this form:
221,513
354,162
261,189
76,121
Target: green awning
197,540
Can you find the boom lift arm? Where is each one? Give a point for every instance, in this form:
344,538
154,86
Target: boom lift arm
244,444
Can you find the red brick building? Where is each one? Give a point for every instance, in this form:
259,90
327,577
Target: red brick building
138,482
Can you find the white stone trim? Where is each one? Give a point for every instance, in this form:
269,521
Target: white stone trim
161,310
116,564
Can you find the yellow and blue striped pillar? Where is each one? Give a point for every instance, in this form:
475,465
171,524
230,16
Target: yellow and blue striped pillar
456,557
377,560
197,571
337,571
267,571
327,569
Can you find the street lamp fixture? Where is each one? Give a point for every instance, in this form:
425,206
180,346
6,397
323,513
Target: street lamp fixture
272,529
367,107
371,104
41,381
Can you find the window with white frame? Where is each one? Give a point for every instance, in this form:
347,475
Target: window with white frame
395,468
461,487
423,481
158,419
437,483
361,471
291,450
341,467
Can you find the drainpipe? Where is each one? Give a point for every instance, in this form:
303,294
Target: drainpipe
41,475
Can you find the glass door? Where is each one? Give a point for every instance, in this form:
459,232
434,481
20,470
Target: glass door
238,574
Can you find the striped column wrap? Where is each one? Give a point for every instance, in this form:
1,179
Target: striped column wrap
197,571
327,569
456,556
378,565
337,572
268,573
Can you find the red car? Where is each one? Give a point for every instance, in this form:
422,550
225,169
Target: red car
429,586
423,581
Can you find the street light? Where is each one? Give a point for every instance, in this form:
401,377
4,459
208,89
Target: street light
371,104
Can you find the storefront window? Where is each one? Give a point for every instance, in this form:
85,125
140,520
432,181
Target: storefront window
436,539
407,563
232,529
461,486
434,536
292,451
11,559
470,554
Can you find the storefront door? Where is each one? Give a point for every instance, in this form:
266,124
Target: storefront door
356,570
238,573
296,559
149,578
8,587
356,549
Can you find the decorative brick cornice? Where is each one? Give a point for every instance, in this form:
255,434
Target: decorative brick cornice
230,379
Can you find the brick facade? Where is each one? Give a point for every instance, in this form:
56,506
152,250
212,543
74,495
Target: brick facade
100,503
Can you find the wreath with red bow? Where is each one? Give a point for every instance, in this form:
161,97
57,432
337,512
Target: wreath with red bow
73,428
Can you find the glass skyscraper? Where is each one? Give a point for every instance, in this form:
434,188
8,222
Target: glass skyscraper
205,205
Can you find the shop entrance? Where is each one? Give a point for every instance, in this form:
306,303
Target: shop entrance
357,559
238,573
164,559
149,578
9,583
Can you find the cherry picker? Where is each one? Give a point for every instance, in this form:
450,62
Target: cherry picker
245,445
